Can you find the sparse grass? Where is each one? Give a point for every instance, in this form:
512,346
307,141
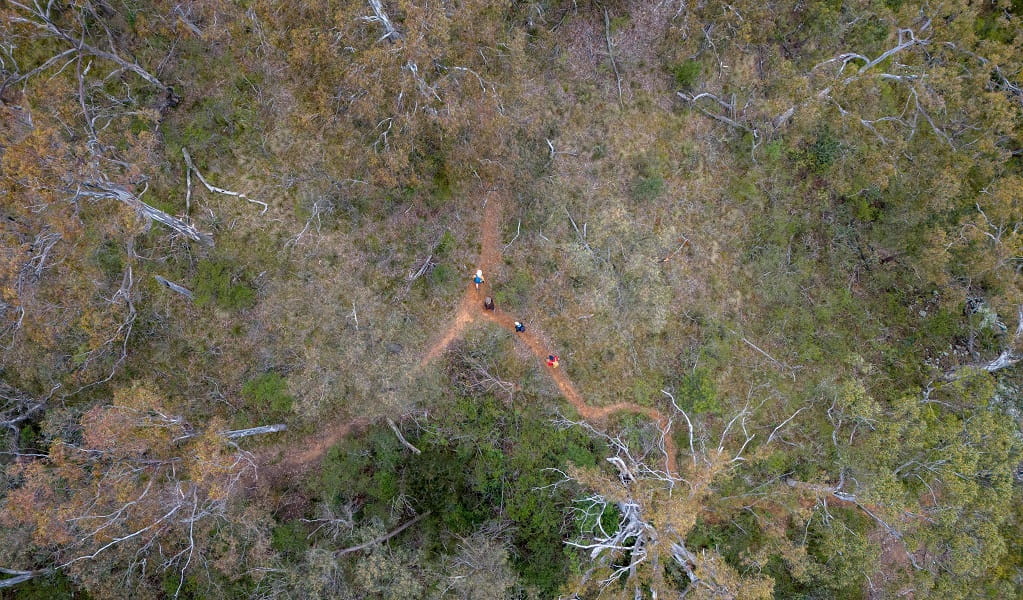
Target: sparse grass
268,390
219,282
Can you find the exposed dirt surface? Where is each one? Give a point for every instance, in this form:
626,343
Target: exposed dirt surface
280,465
470,310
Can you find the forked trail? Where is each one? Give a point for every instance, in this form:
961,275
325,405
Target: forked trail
471,308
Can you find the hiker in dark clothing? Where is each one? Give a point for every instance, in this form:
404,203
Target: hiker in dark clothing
519,327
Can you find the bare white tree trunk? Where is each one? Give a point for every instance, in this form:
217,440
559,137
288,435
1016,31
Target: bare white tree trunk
729,107
191,167
18,407
187,293
240,433
632,538
40,17
1009,356
20,576
611,56
384,537
107,189
379,16
401,438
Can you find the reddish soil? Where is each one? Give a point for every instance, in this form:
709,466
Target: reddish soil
470,309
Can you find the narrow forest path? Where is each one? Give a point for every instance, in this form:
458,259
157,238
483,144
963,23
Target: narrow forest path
471,306
470,310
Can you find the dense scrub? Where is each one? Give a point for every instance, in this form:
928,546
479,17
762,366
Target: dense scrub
793,227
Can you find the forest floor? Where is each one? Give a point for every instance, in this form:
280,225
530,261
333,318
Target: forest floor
470,310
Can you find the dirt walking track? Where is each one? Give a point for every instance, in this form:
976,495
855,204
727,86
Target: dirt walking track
470,310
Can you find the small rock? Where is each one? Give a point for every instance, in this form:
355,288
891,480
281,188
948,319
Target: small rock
393,348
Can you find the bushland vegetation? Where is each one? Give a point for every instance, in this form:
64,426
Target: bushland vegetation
793,229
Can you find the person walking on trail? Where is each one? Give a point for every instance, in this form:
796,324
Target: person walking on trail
552,361
478,279
519,327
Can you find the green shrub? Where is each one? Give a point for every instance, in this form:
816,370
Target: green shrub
515,291
646,388
217,283
586,520
28,436
866,205
465,480
442,190
647,189
686,73
289,539
446,244
649,182
699,392
108,258
823,152
268,389
773,150
442,275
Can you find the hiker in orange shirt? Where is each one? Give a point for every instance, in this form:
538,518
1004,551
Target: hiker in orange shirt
552,361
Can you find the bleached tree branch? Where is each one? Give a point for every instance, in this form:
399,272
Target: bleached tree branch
401,438
41,18
218,190
103,188
391,34
782,424
692,451
382,538
240,433
611,56
187,293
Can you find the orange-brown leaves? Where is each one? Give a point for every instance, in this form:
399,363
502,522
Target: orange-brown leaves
138,467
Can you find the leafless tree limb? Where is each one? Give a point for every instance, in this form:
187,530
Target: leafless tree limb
693,99
379,16
1009,357
19,407
611,56
240,433
40,18
631,538
692,451
213,188
382,538
103,188
782,424
41,247
401,438
518,228
187,293
337,522
21,576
